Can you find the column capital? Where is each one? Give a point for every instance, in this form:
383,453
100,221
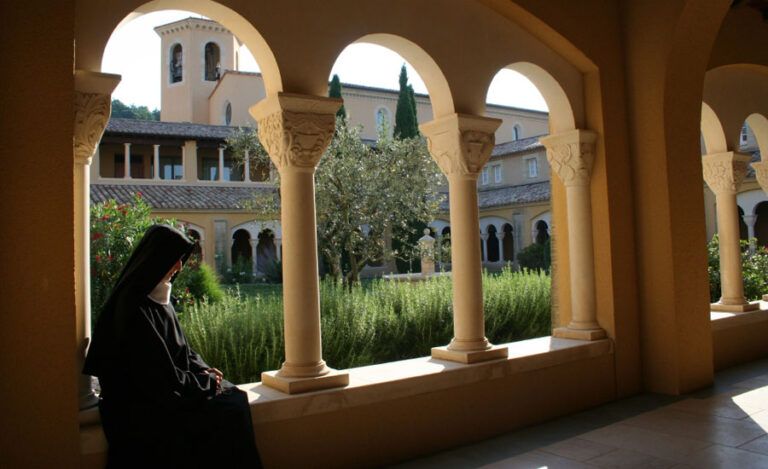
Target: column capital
461,144
724,172
761,174
93,104
296,129
571,155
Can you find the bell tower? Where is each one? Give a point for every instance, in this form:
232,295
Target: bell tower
195,53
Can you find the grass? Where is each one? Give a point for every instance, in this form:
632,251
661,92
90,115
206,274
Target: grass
379,322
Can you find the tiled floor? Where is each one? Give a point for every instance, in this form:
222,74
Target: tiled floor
725,426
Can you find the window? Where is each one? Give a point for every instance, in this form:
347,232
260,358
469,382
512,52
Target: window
484,177
209,169
232,172
171,167
533,167
517,132
383,119
212,62
175,64
228,113
137,166
744,135
497,174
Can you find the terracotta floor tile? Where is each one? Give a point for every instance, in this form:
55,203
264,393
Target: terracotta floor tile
626,458
675,448
578,449
718,456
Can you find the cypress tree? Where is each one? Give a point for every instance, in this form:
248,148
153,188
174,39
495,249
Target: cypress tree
334,91
405,115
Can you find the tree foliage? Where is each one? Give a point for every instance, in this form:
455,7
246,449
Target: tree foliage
366,195
754,270
334,91
406,122
120,109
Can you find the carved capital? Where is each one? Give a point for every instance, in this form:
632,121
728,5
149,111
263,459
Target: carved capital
91,117
296,129
461,144
571,155
761,174
724,172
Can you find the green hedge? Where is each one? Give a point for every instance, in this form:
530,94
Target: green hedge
378,322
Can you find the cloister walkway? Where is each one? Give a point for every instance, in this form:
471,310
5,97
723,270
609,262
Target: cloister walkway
722,426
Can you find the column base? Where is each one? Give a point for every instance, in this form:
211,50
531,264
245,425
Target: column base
332,379
579,334
469,356
742,308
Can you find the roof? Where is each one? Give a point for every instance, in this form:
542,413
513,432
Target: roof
517,146
509,195
179,197
124,126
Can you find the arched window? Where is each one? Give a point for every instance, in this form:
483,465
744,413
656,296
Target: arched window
212,62
175,63
266,252
383,119
517,132
242,254
228,113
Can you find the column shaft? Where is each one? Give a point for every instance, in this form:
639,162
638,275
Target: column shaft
82,181
221,164
127,161
731,276
156,161
582,264
468,318
247,167
303,350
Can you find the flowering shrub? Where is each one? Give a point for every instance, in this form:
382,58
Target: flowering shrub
754,270
115,231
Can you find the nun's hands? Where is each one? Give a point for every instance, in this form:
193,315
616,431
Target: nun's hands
219,376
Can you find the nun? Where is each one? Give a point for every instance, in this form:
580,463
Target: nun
161,404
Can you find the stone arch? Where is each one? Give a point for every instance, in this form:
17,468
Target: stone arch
759,125
266,250
712,131
561,115
439,92
241,247
508,243
749,200
197,233
545,217
92,36
492,245
496,222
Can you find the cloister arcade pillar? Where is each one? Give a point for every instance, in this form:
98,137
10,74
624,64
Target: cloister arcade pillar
461,145
93,98
571,155
761,174
724,173
295,130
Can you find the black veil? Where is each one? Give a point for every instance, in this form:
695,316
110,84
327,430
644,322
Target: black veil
160,248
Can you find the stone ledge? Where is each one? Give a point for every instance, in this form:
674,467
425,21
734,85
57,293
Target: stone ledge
723,320
390,381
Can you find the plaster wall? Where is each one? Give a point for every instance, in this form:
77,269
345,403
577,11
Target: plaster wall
241,91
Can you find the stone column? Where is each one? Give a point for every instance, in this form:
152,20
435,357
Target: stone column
296,130
750,221
126,160
500,238
570,155
247,167
190,160
761,174
483,247
254,242
92,108
221,164
279,248
156,161
724,173
461,145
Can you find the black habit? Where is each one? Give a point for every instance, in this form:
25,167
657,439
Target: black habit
159,405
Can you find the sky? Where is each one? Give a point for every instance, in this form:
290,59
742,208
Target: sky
133,51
